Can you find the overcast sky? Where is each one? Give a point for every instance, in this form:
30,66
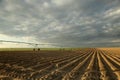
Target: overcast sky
66,23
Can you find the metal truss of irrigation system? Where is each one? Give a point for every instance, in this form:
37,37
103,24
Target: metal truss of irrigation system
33,44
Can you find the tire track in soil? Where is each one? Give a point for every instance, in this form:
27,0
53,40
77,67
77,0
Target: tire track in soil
108,67
77,72
103,71
91,73
62,70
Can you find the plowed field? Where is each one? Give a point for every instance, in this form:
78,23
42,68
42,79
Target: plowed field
83,64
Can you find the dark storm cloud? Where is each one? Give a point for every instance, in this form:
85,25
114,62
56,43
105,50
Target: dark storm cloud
68,23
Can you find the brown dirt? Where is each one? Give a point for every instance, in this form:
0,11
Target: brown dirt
86,64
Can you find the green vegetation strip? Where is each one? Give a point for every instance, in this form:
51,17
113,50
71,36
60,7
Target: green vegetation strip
31,49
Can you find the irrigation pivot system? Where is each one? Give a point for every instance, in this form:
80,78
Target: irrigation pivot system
35,45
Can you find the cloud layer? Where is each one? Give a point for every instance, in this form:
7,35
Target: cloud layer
66,23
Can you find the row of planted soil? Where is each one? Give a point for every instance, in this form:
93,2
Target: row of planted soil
83,64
